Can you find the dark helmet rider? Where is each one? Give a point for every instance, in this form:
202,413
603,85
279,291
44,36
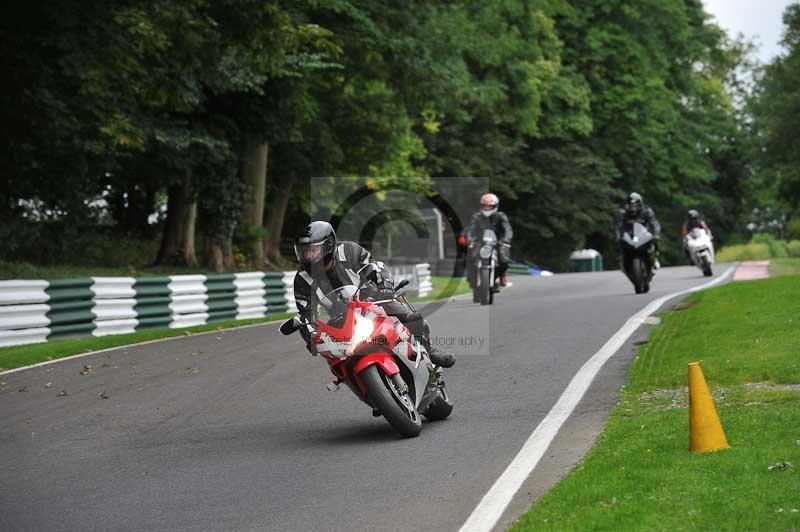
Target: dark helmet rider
326,264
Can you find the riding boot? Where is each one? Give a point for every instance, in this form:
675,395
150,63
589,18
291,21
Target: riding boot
444,360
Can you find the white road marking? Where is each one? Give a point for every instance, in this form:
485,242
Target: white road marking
137,344
491,507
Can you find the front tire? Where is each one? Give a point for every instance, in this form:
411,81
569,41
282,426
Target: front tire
398,408
707,271
486,286
639,276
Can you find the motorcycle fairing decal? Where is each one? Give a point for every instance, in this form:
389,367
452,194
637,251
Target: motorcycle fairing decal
384,360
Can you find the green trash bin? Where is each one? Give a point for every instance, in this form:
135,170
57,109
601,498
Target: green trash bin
586,260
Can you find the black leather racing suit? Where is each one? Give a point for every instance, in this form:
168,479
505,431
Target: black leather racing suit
645,217
498,222
311,284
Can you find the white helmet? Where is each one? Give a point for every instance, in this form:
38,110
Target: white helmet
489,204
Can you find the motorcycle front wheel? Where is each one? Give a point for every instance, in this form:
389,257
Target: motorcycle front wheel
707,271
639,276
395,405
486,286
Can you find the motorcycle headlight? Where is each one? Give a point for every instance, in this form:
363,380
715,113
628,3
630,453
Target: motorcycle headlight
485,252
362,332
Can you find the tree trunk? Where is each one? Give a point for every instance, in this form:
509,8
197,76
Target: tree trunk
188,254
254,174
229,260
216,260
177,242
277,204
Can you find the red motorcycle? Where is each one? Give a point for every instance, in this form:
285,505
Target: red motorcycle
377,357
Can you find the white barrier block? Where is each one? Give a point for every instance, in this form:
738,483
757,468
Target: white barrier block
109,327
113,287
187,284
23,316
20,292
288,283
114,309
250,295
188,304
24,336
188,320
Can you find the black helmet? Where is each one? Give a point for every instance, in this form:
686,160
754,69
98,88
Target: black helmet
315,241
634,203
694,215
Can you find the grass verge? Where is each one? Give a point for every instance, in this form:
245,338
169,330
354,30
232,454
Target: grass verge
778,267
641,476
445,287
16,356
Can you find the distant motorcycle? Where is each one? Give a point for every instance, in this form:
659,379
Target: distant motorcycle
701,249
485,284
638,255
377,357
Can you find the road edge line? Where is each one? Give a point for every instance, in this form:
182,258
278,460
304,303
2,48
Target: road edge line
146,342
495,502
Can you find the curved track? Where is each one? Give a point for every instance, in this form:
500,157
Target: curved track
235,431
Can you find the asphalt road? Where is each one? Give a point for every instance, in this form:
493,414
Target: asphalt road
235,431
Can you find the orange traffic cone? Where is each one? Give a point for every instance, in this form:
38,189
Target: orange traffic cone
705,429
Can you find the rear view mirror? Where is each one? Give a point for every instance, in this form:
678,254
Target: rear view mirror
401,284
290,326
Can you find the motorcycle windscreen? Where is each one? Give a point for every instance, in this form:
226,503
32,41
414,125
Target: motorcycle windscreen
636,235
333,305
696,233
489,236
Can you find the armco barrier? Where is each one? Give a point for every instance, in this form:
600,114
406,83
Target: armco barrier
424,282
37,311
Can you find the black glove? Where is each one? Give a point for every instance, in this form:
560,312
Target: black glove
385,293
307,336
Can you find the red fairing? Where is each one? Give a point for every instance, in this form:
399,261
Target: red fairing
384,360
378,349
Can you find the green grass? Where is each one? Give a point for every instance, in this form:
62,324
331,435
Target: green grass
778,267
641,475
761,247
16,356
445,287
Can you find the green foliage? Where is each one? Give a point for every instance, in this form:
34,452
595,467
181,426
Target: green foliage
741,252
564,105
763,246
774,107
59,243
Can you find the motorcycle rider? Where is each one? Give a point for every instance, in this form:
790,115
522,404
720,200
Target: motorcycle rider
693,221
326,264
489,217
636,211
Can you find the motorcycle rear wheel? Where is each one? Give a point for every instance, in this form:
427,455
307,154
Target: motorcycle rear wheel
440,408
398,408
